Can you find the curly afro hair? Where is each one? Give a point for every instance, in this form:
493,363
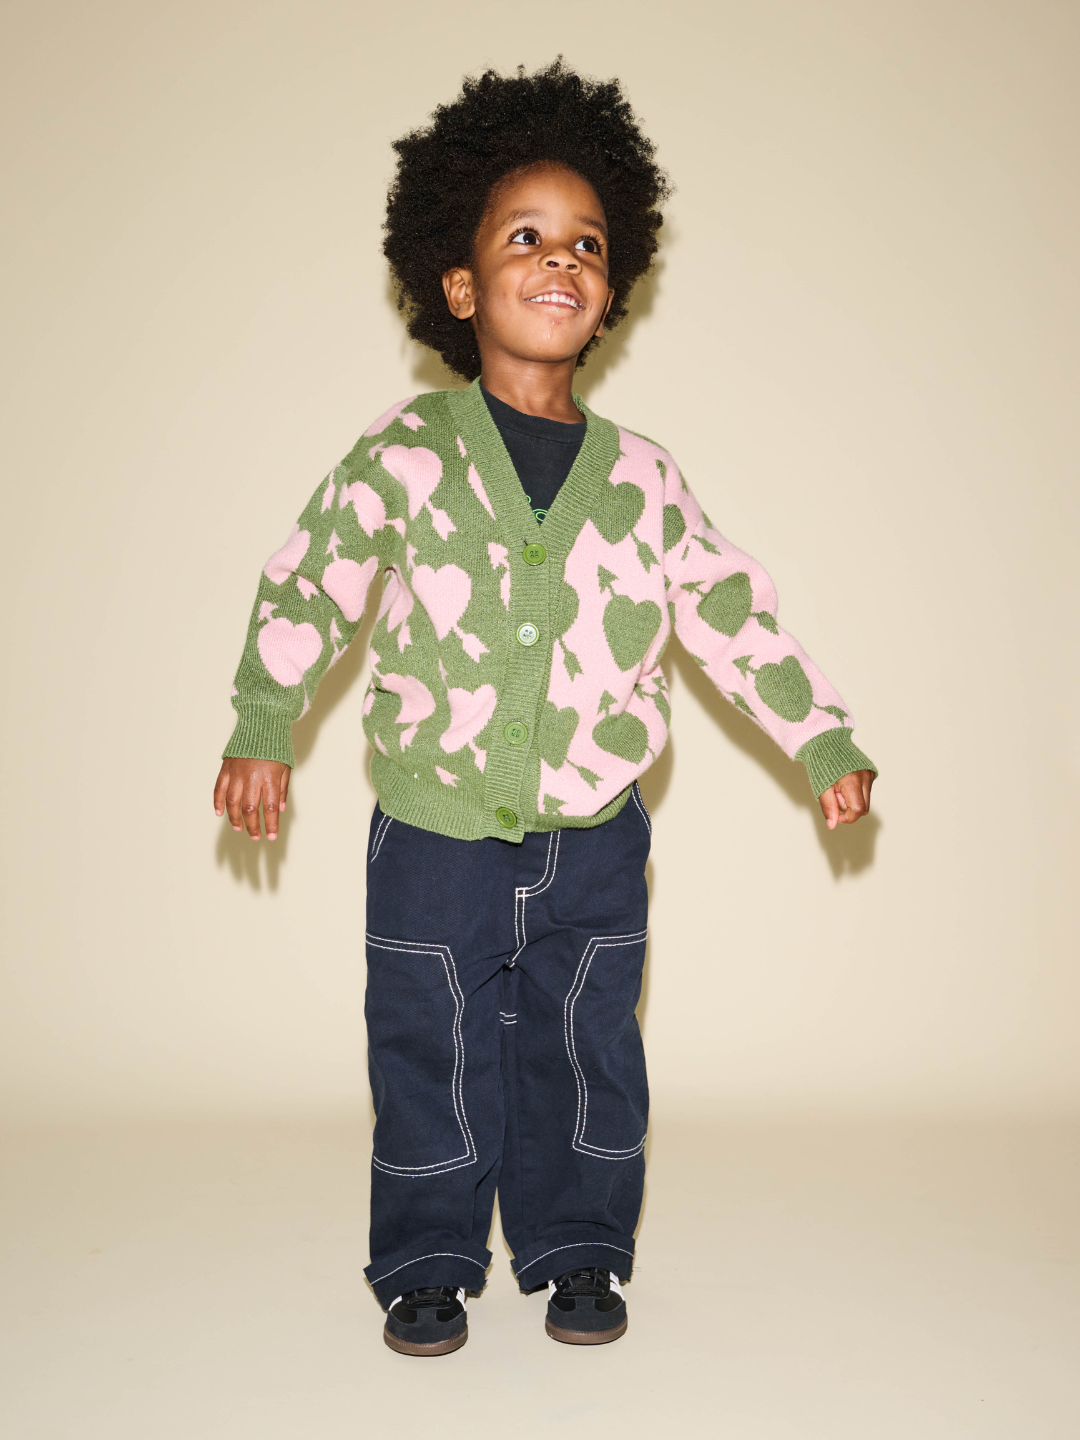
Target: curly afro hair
499,125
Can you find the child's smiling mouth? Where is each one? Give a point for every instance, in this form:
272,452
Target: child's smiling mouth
556,297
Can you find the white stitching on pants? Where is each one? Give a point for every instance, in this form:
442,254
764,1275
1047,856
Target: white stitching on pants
408,947
435,1255
603,1244
640,803
523,892
380,836
598,942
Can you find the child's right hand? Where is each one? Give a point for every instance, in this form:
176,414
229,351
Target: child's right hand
243,784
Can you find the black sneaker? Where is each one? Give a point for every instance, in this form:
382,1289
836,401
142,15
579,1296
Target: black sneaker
427,1322
586,1307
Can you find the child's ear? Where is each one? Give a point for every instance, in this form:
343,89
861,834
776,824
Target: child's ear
457,286
600,328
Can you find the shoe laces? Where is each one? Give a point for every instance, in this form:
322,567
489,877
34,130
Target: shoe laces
430,1297
591,1281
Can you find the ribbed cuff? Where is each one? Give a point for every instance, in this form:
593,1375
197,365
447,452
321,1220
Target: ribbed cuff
831,756
262,732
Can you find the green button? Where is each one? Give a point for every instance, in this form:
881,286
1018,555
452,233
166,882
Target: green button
534,554
516,733
528,634
506,817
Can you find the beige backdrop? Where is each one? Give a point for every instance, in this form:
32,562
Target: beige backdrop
861,345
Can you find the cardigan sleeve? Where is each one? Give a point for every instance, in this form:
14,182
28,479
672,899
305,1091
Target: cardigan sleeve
311,597
723,608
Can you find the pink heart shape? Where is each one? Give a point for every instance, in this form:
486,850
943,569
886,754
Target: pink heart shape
347,584
417,701
418,469
284,561
370,510
444,594
289,650
470,711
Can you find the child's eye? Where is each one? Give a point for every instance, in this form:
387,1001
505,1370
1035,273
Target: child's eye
588,243
525,237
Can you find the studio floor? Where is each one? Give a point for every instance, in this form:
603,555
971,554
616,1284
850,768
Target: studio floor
795,1281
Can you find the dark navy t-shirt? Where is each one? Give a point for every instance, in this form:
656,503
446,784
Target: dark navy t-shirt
543,451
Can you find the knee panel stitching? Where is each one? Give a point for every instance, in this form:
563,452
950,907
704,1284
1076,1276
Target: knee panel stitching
469,1158
598,942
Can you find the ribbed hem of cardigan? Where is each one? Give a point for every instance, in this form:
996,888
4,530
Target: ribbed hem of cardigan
447,812
831,756
263,732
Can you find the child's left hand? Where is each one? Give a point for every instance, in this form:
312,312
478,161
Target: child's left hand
848,800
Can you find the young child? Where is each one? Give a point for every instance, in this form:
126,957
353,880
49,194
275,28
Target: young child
535,559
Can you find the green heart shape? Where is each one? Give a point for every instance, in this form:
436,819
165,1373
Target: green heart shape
556,731
622,735
674,526
785,689
727,605
565,609
630,629
619,509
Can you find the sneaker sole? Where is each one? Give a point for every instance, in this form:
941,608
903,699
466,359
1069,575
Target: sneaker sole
585,1337
434,1347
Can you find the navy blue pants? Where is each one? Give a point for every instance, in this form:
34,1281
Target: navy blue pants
503,1050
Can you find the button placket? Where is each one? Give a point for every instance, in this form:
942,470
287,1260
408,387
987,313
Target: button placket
520,702
536,570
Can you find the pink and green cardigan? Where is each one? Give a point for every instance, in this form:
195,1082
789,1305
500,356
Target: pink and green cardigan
515,668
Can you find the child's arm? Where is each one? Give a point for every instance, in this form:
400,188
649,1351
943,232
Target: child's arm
311,597
723,607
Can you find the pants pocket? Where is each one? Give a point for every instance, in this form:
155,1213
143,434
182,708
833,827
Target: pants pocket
604,1045
416,1059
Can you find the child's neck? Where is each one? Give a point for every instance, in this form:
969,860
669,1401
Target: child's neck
532,388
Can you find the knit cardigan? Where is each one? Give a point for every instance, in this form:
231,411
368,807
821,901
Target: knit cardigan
515,669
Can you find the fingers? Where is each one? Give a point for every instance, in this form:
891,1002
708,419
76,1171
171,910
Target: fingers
249,805
221,785
245,785
242,798
271,804
854,799
848,800
830,806
234,794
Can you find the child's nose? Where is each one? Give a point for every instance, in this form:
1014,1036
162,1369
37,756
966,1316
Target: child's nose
568,261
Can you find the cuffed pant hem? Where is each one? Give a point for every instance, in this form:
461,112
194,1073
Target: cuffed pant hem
450,1264
548,1261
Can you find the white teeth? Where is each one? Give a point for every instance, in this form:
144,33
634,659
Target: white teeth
555,299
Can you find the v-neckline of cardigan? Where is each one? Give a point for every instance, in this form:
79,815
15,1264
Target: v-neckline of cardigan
571,506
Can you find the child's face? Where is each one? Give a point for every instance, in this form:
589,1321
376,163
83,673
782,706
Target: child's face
537,290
